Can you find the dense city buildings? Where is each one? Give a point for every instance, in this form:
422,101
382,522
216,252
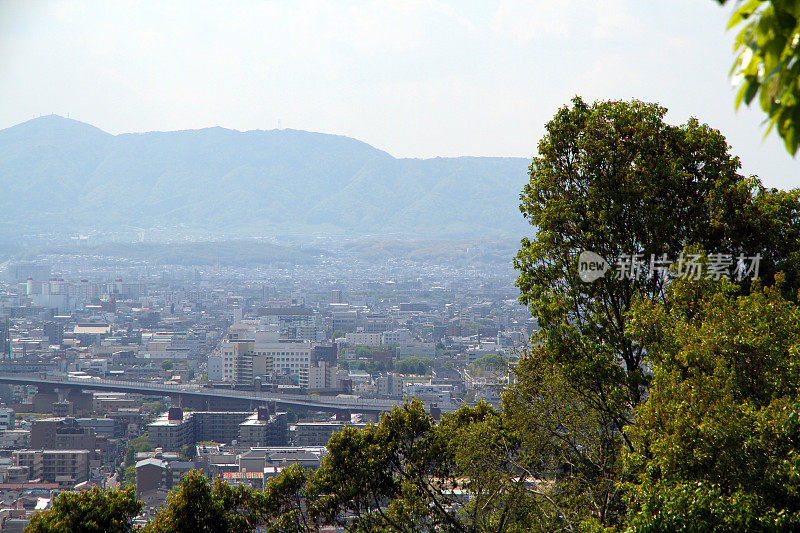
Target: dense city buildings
195,348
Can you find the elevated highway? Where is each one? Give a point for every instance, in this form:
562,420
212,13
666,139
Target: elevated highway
207,397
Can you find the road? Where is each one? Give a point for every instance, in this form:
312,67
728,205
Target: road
323,403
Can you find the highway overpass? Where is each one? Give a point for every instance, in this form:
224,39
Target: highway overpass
204,397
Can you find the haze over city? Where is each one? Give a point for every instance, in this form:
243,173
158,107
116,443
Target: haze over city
399,265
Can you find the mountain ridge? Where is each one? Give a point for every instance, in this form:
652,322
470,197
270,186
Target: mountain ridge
63,175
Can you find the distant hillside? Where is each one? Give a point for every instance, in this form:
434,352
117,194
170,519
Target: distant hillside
479,252
62,175
251,252
224,253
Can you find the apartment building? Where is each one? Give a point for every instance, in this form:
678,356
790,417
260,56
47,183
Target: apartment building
285,356
171,430
175,429
66,467
217,426
389,384
322,375
6,418
57,433
264,429
363,339
314,433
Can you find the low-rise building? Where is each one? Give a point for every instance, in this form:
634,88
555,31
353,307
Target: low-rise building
363,339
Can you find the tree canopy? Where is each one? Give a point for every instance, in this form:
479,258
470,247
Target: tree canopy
614,179
719,435
91,511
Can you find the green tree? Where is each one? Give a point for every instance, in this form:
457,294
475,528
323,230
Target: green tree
387,476
156,407
492,361
489,464
91,511
613,178
198,505
188,452
130,476
284,503
719,437
413,365
408,473
768,62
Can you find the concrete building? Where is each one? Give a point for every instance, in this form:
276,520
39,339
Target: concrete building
103,427
344,320
429,393
389,384
293,322
57,433
314,433
215,368
150,476
32,461
66,467
175,429
285,357
6,418
155,477
396,336
416,349
363,339
171,430
264,429
222,366
217,426
324,353
272,459
322,376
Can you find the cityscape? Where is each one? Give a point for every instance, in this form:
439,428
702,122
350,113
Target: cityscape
137,373
399,266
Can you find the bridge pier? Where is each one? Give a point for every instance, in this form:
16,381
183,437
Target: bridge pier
46,396
82,401
44,399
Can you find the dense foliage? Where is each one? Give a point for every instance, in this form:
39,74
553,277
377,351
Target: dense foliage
613,178
414,365
91,511
719,434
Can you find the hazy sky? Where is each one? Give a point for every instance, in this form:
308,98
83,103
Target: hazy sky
414,78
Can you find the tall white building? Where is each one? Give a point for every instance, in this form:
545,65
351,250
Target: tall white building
321,375
222,366
248,354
